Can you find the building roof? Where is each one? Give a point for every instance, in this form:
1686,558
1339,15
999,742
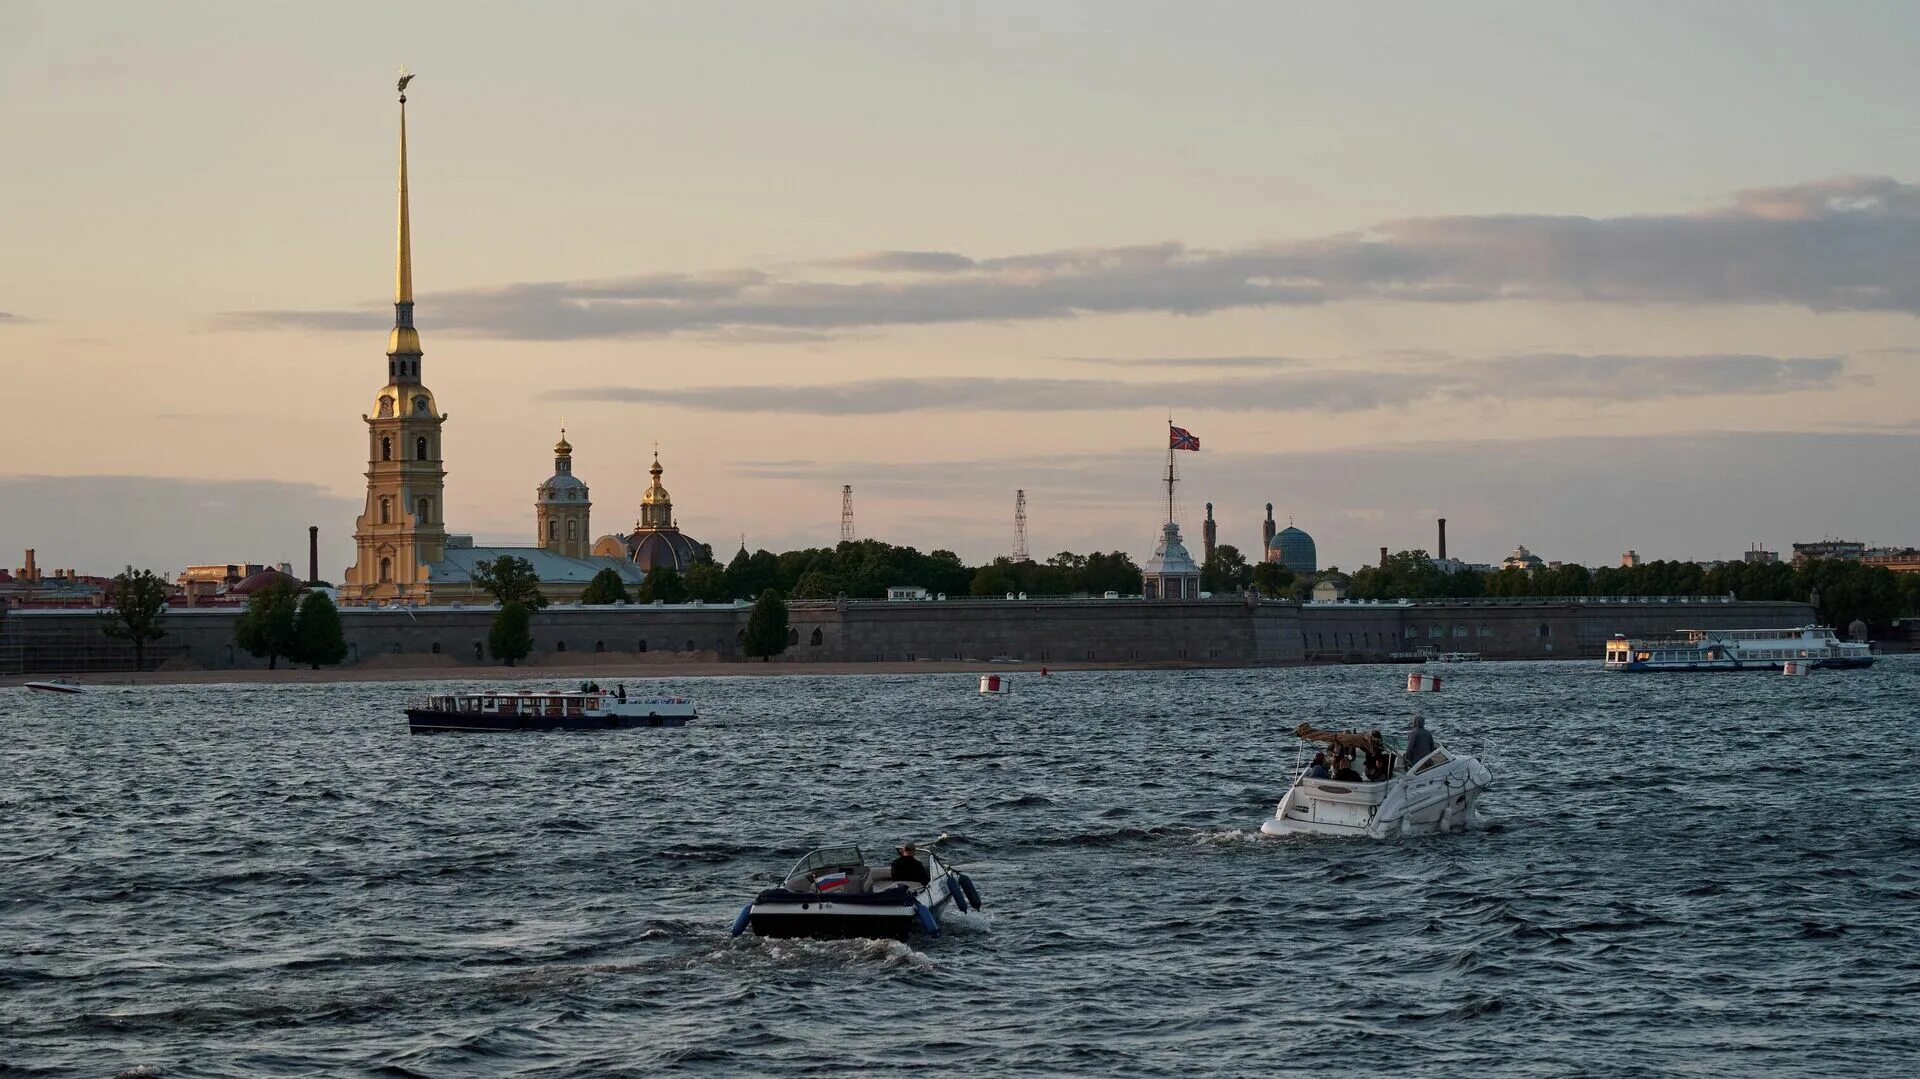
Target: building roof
258,581
550,566
650,548
1170,557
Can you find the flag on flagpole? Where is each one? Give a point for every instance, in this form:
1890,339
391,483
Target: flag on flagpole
1182,439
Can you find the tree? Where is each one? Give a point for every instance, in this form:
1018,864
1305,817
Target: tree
512,635
136,602
814,584
265,629
509,579
1226,571
767,626
707,583
1272,579
318,639
663,584
605,588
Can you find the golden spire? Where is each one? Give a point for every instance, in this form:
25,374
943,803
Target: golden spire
404,338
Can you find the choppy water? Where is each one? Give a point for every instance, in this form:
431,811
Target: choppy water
1702,875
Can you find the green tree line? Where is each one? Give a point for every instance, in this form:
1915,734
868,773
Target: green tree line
1845,590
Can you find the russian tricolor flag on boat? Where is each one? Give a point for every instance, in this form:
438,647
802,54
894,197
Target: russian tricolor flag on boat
831,882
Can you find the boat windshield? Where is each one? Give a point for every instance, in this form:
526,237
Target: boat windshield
829,858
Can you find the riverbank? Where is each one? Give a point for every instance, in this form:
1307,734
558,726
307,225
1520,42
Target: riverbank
604,673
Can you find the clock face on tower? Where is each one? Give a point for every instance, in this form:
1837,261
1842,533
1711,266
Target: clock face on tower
421,406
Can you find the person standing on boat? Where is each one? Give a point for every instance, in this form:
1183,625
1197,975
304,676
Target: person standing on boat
1419,742
907,869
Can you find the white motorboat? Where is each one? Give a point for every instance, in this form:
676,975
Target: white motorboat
1433,794
54,686
833,894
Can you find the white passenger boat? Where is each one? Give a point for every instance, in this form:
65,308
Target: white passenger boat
833,894
1459,657
1736,650
591,709
1433,794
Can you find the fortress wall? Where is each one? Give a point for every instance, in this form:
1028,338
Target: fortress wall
1559,631
1222,632
1219,632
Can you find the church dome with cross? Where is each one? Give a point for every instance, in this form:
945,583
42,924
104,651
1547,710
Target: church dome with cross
655,540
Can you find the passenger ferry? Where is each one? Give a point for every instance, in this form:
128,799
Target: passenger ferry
1737,650
591,709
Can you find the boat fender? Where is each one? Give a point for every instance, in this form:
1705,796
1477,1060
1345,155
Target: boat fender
740,920
953,890
927,921
966,885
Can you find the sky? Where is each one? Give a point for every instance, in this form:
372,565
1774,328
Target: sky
1581,277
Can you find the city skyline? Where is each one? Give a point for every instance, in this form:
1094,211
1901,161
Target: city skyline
1710,351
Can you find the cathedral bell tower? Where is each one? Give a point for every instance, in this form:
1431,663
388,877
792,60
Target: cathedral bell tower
561,508
402,531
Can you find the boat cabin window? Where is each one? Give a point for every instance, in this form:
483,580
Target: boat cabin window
829,858
1437,758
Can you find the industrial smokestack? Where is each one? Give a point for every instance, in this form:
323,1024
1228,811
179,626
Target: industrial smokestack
1443,539
313,554
1383,556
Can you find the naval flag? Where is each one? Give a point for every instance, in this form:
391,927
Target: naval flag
1182,439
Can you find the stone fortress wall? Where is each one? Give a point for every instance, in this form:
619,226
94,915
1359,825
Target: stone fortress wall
1209,632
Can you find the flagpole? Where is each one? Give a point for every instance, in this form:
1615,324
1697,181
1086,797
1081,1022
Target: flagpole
1169,469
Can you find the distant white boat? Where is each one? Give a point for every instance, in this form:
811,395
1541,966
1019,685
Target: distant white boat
1737,650
55,686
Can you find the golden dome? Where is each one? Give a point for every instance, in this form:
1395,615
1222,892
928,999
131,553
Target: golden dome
563,448
655,495
411,399
403,340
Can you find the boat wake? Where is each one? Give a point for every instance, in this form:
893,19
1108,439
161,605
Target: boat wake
886,955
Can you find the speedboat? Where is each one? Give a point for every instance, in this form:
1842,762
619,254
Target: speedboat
588,709
54,686
1433,794
833,894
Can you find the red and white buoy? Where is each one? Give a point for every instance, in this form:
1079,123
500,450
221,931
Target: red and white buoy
994,685
1418,682
1796,668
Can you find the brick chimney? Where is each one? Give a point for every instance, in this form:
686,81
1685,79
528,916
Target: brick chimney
30,572
313,554
1443,540
1383,556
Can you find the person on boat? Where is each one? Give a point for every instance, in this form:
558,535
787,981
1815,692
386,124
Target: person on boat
620,691
1379,766
1419,742
1343,770
1318,769
907,869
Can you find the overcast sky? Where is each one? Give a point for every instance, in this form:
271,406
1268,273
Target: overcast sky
1582,277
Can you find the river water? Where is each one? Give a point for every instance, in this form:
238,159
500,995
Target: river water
1673,875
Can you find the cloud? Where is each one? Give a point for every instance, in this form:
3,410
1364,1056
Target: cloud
1517,378
1222,362
1843,244
6,317
906,262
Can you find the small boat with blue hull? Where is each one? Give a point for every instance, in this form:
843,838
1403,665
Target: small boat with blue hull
1699,650
833,894
588,709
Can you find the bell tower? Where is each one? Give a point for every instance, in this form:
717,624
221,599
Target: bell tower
402,530
561,508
